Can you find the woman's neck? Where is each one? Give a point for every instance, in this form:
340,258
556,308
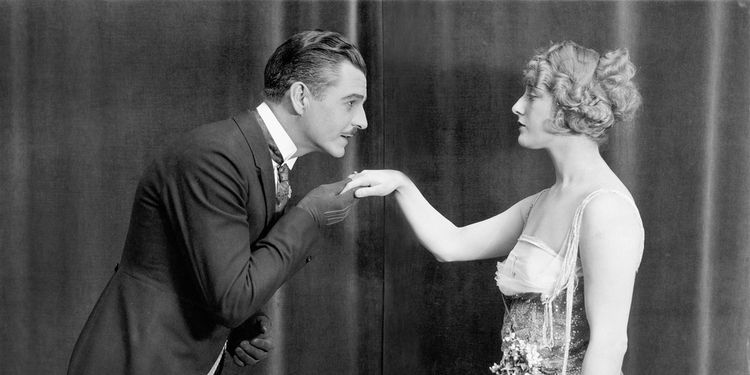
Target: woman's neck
576,160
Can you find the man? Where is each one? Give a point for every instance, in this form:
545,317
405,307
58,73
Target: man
207,244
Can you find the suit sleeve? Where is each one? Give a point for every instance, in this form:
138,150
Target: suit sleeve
235,273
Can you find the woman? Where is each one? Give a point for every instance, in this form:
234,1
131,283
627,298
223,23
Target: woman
584,230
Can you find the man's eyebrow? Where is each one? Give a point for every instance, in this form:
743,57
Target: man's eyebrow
354,96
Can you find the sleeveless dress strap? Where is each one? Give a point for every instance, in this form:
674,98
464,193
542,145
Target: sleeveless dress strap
533,203
567,279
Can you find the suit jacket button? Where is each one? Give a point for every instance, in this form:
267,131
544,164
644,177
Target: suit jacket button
308,259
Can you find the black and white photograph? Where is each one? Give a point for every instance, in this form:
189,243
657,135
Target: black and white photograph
385,187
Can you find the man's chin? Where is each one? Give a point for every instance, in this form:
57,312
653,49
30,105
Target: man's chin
337,153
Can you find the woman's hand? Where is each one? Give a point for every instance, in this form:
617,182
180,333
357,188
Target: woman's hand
378,183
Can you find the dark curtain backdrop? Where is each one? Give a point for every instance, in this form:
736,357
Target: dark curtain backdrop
90,91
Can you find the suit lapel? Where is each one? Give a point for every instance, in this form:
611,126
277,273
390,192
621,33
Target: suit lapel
249,124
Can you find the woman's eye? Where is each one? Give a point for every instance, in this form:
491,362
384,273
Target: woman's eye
530,94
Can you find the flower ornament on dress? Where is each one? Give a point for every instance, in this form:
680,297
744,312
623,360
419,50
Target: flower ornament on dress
519,358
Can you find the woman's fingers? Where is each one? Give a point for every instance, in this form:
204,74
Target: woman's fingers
350,185
370,183
357,180
365,192
373,191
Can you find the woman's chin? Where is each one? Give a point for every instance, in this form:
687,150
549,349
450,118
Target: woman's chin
522,141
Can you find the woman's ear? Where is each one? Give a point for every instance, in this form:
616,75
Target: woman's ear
558,120
300,96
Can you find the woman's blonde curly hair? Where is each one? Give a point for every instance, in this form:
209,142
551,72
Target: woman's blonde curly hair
592,92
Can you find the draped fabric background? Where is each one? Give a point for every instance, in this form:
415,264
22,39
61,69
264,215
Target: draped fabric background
90,91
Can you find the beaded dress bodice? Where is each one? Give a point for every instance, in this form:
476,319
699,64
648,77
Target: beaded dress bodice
545,325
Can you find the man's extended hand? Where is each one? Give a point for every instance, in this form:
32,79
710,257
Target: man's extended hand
326,205
250,343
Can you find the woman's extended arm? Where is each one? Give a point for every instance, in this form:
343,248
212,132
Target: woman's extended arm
611,246
490,238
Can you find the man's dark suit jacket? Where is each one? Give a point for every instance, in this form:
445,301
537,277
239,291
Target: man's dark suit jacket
203,253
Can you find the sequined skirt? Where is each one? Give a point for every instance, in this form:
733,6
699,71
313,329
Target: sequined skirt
534,335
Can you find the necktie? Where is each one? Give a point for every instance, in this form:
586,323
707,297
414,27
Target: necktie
283,190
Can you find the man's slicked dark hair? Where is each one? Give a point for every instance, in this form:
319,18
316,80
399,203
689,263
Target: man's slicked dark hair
311,57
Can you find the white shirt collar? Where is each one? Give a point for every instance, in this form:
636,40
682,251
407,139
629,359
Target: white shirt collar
280,137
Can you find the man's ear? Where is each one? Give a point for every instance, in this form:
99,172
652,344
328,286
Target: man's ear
300,97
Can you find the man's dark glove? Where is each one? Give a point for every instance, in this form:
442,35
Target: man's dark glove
250,343
325,204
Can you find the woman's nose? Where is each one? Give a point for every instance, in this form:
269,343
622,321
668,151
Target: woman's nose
518,107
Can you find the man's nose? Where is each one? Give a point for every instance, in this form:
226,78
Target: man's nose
360,119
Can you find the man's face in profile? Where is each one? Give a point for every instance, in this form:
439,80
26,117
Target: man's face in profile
338,113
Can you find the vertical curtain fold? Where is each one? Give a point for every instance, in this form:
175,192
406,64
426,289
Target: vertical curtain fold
14,270
710,176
